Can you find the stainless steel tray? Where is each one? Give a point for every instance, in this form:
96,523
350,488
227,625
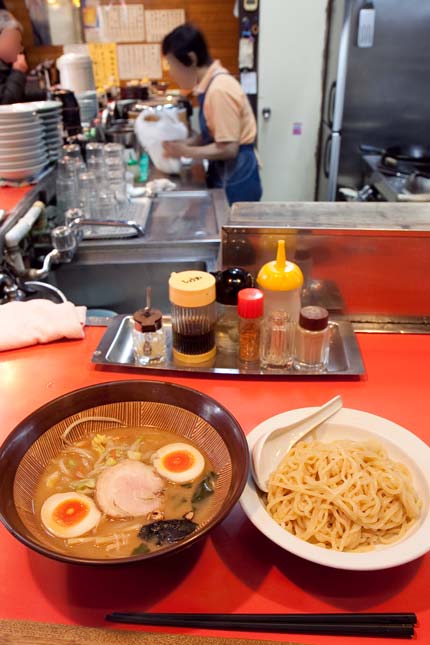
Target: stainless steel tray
116,349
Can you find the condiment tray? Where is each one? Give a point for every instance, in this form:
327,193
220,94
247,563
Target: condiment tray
116,350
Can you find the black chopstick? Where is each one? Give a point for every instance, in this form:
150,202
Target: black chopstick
393,618
397,625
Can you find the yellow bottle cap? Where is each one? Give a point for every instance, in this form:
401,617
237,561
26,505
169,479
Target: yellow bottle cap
280,274
191,288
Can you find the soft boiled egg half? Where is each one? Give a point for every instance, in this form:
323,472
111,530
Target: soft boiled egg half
179,462
68,515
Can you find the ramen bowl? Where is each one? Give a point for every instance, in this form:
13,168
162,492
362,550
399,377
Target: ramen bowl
400,444
188,413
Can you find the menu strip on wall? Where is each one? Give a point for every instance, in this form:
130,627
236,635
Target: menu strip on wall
139,61
159,22
121,23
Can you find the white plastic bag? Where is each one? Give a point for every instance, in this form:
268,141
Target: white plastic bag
152,128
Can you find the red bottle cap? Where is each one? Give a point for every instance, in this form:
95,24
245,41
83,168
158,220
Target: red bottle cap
250,303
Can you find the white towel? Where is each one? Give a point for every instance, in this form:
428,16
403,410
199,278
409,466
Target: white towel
39,321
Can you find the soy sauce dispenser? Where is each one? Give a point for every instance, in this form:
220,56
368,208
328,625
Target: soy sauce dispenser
192,299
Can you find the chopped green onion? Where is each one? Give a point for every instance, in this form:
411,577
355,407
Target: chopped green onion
142,548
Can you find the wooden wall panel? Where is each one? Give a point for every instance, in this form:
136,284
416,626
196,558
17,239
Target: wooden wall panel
214,17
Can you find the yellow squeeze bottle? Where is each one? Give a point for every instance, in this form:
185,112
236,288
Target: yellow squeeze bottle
281,282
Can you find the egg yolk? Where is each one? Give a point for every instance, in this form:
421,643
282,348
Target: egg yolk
70,512
178,461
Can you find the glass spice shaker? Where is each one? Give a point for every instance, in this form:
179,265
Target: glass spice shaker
311,340
250,306
228,283
149,339
276,340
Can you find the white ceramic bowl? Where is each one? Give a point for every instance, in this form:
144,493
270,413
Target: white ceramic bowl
400,444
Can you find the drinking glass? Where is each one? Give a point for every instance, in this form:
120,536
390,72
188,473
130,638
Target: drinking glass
94,149
114,154
88,194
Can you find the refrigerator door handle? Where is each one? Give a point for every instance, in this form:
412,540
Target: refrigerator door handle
331,103
327,155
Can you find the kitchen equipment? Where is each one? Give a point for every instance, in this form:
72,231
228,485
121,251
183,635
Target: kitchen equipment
70,112
418,182
88,105
121,132
76,72
420,197
400,444
271,447
415,154
187,412
387,179
375,94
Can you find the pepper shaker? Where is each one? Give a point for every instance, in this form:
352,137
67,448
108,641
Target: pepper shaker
311,340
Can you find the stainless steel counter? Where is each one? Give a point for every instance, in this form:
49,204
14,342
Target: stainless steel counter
183,231
368,263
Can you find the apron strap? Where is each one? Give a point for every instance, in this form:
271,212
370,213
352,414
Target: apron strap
203,94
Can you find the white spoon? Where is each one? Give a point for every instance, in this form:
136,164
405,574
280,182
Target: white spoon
269,449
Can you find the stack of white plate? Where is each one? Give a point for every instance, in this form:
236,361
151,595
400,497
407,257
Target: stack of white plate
50,113
23,153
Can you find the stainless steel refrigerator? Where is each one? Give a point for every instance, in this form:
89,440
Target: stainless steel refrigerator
377,85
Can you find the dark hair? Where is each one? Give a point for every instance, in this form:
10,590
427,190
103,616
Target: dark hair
186,39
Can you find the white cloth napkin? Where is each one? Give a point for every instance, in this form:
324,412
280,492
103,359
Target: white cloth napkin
39,321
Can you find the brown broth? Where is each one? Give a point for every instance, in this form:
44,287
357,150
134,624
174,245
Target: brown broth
177,498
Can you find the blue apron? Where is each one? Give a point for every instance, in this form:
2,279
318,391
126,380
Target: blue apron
239,177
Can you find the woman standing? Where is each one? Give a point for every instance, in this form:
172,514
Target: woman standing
227,123
13,66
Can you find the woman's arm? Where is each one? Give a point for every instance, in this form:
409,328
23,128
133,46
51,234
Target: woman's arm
12,87
212,151
194,140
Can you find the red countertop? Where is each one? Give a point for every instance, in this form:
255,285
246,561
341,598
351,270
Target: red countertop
235,568
10,197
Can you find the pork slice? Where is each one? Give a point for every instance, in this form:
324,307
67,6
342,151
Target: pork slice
128,489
